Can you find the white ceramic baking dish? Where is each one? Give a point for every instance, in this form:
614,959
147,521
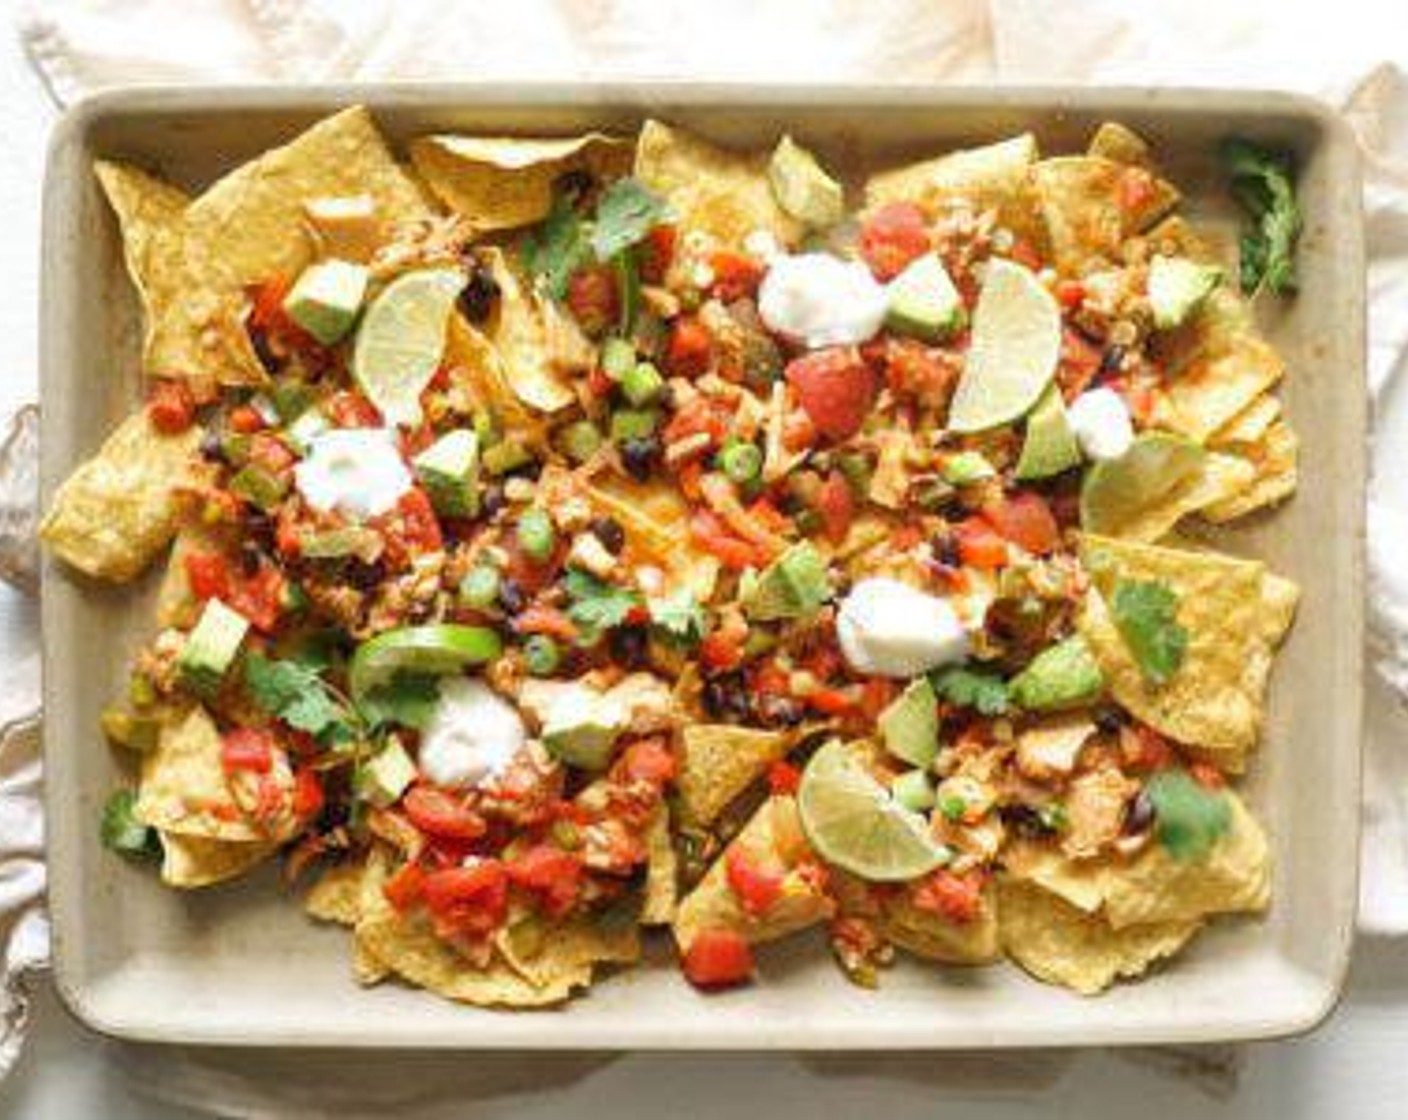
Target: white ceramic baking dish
242,965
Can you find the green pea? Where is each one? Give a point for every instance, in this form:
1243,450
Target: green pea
480,587
536,535
541,656
642,384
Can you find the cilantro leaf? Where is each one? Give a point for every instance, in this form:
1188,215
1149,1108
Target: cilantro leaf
596,604
1145,613
1189,819
295,693
408,699
972,688
1263,183
679,616
628,210
120,829
558,248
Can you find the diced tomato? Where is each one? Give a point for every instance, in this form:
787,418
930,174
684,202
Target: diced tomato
771,679
258,597
736,275
412,527
598,383
438,813
798,432
592,299
718,652
876,695
925,373
1135,190
756,888
656,253
836,388
713,536
958,898
208,575
688,477
307,794
690,349
784,779
286,538
268,799
1140,401
700,415
893,236
403,889
1026,520
245,420
551,873
905,537
247,748
1070,294
546,620
831,701
267,303
1025,254
271,454
1144,748
172,407
649,760
1207,775
352,410
764,513
979,545
1080,362
474,897
718,958
837,507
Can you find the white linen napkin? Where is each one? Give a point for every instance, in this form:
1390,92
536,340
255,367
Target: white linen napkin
83,45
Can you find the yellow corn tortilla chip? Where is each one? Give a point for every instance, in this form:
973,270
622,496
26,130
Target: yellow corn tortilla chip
655,517
996,176
473,362
538,345
1273,460
936,938
336,895
718,761
1154,887
772,836
176,604
1081,883
721,194
1174,237
1220,478
1249,425
194,861
1216,698
502,182
250,226
117,511
566,952
1060,944
661,873
1086,221
1114,141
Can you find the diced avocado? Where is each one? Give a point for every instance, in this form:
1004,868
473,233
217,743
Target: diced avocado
259,487
582,727
580,440
1177,286
301,432
211,647
292,399
504,456
1050,446
802,188
913,789
325,299
633,423
966,468
792,586
347,226
923,303
449,471
910,725
334,544
386,774
133,730
1062,676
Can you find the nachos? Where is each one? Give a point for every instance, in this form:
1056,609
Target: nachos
566,537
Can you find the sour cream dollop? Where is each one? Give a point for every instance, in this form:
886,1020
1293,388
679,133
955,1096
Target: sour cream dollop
890,629
821,300
358,472
472,736
1101,424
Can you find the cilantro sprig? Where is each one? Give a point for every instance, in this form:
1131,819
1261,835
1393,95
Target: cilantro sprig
1145,613
1263,183
1189,818
678,617
295,691
984,691
597,605
558,248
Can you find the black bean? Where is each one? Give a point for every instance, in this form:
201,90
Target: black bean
479,295
944,546
1139,816
778,711
493,499
1109,720
1111,360
251,559
1023,819
574,186
362,575
628,646
212,447
639,457
511,596
609,532
726,695
271,361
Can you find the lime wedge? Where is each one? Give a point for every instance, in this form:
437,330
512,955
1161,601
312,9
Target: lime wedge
1015,347
1116,492
442,648
853,822
402,338
1049,446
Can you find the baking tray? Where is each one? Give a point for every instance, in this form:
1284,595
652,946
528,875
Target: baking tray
240,964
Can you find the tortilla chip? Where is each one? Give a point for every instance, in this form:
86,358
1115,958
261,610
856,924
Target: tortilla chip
721,194
1057,943
773,837
1273,462
473,362
1216,699
1249,425
336,896
655,518
1154,887
1080,883
568,953
538,345
250,226
117,511
502,182
993,176
937,938
1279,599
1086,220
1220,478
1113,141
1174,237
718,761
193,861
661,873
